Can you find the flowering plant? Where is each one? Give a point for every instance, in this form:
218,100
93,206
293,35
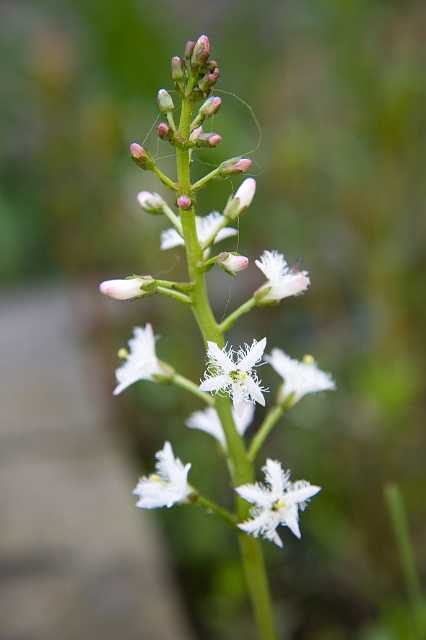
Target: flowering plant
231,385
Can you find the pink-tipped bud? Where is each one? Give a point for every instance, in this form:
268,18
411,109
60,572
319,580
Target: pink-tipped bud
184,202
122,289
195,134
208,139
177,69
189,48
165,102
163,130
201,51
232,263
235,165
140,156
210,106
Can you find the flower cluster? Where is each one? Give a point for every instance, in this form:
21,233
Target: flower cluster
230,371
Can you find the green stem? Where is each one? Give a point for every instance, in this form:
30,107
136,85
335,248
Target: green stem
164,179
265,429
173,218
171,293
188,385
241,467
179,286
233,317
212,507
398,516
205,179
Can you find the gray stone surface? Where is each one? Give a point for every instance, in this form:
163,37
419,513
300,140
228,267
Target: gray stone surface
77,560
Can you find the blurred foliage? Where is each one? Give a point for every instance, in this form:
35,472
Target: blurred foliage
338,87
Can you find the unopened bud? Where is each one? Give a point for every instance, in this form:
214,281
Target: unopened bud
165,102
189,48
122,289
195,134
123,354
208,139
210,106
232,263
151,202
184,202
140,156
235,165
163,131
177,69
201,51
241,200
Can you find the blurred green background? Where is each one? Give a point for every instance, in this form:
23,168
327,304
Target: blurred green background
338,87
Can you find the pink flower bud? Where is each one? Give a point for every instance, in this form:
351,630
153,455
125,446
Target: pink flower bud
163,130
165,102
214,139
195,134
210,106
151,202
233,263
184,202
122,289
235,165
137,151
189,48
243,165
201,51
140,156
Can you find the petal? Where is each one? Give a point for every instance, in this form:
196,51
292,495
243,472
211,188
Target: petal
170,239
275,477
255,493
253,356
207,421
244,418
227,232
219,356
214,383
255,391
300,495
290,518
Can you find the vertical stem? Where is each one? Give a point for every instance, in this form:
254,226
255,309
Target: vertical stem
398,516
241,468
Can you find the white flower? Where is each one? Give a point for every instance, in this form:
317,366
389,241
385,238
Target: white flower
232,263
141,361
300,378
168,486
209,421
206,225
232,372
245,192
277,502
282,281
241,200
122,289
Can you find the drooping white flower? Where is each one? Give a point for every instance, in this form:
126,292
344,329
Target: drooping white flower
277,502
141,361
299,378
232,372
209,421
206,225
282,281
124,289
168,486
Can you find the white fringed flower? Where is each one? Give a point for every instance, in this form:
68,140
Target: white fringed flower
168,486
282,281
232,372
300,378
206,225
277,502
209,421
125,289
141,361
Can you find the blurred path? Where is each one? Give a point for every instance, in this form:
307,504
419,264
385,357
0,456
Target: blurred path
77,560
